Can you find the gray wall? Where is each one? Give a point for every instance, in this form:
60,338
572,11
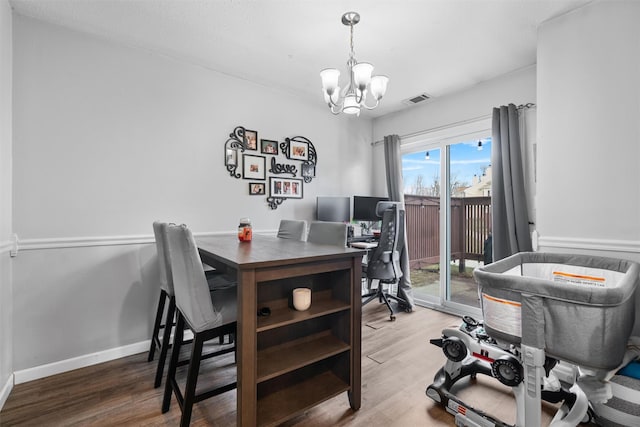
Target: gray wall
109,138
589,138
6,344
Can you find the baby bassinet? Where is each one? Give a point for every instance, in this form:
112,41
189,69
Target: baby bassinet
577,308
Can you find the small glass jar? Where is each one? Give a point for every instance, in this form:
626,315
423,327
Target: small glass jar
245,233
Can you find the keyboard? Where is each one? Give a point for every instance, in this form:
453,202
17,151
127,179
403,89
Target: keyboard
363,238
363,245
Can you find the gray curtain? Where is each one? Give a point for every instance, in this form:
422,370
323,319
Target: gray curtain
510,220
395,188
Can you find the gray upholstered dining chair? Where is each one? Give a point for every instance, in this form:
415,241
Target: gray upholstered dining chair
208,314
292,229
328,233
166,295
162,327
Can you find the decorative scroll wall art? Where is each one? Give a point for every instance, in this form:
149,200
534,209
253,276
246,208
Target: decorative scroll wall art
288,165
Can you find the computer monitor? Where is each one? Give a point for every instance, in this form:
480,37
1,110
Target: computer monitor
333,208
364,208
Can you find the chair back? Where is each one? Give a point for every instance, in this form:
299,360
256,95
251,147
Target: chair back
166,279
292,229
328,233
193,298
384,263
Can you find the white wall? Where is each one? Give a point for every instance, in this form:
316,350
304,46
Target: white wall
518,87
109,138
6,345
588,132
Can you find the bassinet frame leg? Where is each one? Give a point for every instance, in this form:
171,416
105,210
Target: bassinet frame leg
533,361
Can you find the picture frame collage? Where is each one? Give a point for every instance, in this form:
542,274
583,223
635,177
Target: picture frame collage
246,157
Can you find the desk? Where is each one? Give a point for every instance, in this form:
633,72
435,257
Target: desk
291,360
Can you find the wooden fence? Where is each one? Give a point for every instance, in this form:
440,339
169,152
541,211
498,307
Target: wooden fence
470,227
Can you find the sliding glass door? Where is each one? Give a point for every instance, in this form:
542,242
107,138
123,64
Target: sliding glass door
448,201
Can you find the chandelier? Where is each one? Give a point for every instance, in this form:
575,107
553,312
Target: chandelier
352,98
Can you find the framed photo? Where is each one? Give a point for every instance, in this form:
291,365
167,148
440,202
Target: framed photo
256,189
268,146
253,167
285,188
308,170
251,139
231,157
298,150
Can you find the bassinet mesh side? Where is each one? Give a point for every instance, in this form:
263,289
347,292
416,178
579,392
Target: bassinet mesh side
584,325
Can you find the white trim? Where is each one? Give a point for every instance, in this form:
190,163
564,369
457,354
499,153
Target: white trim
6,390
631,246
79,242
54,368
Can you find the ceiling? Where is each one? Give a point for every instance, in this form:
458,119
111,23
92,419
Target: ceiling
425,46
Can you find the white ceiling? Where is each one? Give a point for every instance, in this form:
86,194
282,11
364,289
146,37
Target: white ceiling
424,46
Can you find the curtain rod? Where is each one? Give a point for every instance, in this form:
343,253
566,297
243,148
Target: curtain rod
450,125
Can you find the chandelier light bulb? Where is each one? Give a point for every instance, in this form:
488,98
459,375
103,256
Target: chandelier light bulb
362,75
379,86
353,97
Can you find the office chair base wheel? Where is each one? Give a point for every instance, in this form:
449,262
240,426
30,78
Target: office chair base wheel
393,318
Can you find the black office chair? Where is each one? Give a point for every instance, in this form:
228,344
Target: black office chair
384,262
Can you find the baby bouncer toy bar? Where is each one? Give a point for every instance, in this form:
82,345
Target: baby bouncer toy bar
555,328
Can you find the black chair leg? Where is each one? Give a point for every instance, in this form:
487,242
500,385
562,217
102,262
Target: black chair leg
171,382
166,341
155,342
192,379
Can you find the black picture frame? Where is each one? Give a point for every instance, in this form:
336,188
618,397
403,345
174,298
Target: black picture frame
286,188
257,189
254,167
251,139
298,150
231,157
308,170
269,146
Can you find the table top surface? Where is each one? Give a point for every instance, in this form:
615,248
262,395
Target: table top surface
268,251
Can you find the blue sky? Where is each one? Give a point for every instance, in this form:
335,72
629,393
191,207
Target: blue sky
466,161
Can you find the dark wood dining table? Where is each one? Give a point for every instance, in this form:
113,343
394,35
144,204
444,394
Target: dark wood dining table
289,360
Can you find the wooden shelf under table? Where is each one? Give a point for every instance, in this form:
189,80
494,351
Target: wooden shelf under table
287,357
278,407
286,316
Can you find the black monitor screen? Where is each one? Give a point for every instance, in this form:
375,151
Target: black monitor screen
364,208
336,209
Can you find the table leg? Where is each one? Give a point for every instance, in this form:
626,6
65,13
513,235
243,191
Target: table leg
247,323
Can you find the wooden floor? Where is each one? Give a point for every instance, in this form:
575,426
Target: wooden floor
397,365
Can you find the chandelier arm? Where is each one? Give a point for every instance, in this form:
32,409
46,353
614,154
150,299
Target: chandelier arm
364,104
332,104
338,106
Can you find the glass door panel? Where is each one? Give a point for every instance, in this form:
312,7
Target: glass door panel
468,218
421,176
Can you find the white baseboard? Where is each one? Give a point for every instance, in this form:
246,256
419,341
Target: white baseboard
6,389
38,372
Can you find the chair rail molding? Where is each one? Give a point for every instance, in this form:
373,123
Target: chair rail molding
608,245
81,242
